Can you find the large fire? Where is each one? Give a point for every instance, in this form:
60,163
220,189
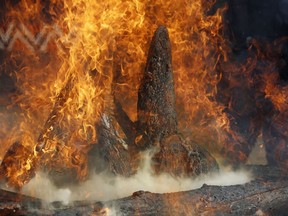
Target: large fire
98,55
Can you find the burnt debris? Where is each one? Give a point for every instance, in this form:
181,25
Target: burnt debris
263,196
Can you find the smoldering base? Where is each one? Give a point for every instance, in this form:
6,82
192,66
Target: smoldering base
104,187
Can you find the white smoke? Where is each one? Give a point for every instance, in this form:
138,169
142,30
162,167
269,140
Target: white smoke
103,187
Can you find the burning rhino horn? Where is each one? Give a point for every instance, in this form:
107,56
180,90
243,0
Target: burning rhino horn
157,117
156,96
112,152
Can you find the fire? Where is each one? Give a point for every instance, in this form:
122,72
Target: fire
103,45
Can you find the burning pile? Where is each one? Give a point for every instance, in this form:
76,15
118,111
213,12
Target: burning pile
89,103
156,126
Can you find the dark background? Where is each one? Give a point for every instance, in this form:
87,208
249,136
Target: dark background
257,18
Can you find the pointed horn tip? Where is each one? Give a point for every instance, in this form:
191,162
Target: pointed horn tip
161,29
161,35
